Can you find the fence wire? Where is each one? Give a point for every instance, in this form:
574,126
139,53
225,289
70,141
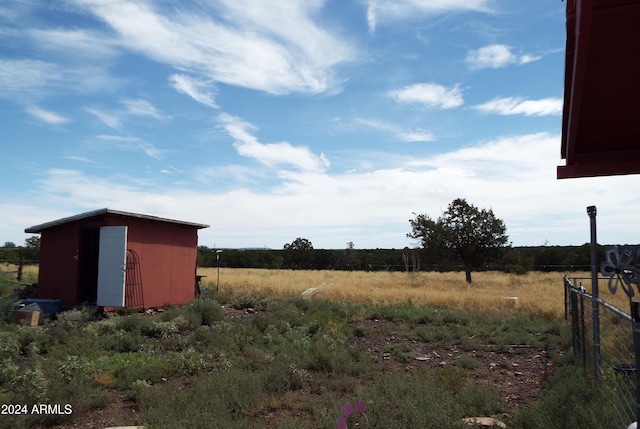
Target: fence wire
613,359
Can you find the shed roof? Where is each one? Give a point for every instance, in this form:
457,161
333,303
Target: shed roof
600,132
101,212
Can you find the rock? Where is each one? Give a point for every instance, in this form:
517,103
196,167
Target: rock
484,421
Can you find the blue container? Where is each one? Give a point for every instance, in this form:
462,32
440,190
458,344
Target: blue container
50,307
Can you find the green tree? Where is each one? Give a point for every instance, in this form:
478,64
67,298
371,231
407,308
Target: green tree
298,255
463,231
31,251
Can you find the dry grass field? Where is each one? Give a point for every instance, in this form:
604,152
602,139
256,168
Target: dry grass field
535,291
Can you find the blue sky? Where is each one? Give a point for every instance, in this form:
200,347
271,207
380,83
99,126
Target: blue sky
270,120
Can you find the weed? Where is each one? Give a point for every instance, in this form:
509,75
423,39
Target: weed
571,400
244,302
361,331
452,378
31,384
400,351
9,345
137,324
467,362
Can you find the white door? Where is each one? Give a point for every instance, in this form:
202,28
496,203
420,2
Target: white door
112,266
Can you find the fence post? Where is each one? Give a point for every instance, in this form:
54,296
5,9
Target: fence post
20,264
635,314
591,211
583,332
566,299
575,323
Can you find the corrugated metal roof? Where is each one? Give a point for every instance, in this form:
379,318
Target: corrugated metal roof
100,212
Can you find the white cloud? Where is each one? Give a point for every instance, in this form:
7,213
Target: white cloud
514,175
132,107
385,11
131,143
141,107
107,118
47,116
195,88
275,47
26,78
372,15
108,137
152,151
429,94
377,124
551,106
270,154
80,159
496,56
417,136
76,42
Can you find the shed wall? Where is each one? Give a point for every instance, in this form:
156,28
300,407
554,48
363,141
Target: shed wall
167,252
168,255
58,270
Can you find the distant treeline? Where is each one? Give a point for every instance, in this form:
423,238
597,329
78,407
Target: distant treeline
27,254
513,259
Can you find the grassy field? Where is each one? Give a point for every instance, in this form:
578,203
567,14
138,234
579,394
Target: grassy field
422,350
536,291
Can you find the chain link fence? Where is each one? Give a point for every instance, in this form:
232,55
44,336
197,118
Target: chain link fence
605,347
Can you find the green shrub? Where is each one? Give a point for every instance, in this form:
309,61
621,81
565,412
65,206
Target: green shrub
209,311
400,351
148,369
122,341
76,318
220,400
6,307
196,313
282,377
244,302
137,324
9,345
412,400
571,400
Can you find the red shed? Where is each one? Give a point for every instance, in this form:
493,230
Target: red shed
117,259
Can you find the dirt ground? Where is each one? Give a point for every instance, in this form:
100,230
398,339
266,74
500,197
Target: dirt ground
517,373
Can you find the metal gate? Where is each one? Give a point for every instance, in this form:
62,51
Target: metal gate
133,281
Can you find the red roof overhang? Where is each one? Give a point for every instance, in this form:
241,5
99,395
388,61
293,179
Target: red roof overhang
601,116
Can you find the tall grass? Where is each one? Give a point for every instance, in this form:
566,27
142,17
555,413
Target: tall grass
29,272
535,291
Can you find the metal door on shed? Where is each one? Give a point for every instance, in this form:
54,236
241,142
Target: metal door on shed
112,266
